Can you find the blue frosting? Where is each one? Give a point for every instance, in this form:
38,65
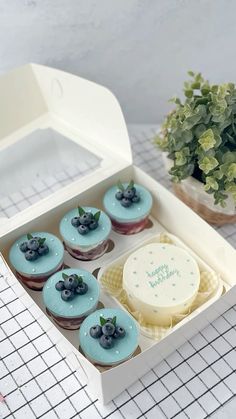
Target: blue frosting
93,237
80,305
123,347
43,264
135,212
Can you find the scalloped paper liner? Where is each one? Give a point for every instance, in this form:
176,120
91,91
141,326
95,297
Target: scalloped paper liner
112,280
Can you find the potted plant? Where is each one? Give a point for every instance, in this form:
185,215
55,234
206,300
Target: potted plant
199,141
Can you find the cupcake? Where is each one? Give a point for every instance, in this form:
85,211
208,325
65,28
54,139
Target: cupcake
69,296
128,206
108,337
85,232
35,257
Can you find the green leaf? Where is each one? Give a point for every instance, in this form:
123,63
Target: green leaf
114,320
29,236
188,93
207,164
196,85
120,186
130,185
211,184
64,276
80,279
207,140
191,73
102,321
97,216
81,211
41,241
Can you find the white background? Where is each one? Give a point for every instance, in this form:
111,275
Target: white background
140,49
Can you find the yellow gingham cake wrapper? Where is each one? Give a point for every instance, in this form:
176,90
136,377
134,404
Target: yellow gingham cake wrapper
112,279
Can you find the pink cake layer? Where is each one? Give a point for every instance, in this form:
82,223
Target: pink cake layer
36,282
129,228
91,254
71,323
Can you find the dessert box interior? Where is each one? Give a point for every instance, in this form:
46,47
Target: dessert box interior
73,114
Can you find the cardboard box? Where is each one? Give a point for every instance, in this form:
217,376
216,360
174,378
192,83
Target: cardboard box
39,98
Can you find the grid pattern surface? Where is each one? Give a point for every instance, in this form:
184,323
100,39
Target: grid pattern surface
37,381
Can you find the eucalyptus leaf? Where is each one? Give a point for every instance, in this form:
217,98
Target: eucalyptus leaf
204,123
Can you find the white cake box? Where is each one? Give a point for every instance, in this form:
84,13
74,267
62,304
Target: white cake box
37,98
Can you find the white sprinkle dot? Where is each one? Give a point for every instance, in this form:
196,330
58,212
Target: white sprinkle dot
73,239
85,333
91,298
103,228
71,306
52,240
117,352
139,208
56,254
66,219
17,245
33,270
131,327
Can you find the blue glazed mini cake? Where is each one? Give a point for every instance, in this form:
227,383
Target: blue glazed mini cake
108,337
128,206
85,232
69,296
35,257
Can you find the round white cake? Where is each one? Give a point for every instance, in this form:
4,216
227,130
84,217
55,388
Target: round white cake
161,280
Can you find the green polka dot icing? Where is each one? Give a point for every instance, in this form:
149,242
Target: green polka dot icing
162,271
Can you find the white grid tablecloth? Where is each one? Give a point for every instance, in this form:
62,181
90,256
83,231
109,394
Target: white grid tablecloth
37,381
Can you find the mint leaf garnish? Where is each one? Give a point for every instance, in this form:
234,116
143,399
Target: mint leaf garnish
80,279
114,320
120,186
130,185
97,215
102,321
41,241
81,211
29,236
64,276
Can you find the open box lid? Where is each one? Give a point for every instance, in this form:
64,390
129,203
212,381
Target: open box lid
54,125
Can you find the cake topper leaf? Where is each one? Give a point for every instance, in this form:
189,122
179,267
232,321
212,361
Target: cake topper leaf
102,321
114,320
120,186
130,185
81,211
41,241
29,236
64,276
97,215
80,279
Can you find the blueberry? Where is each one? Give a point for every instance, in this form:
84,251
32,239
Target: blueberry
60,286
31,255
96,331
43,250
106,342
119,332
119,195
82,229
108,329
82,288
24,247
126,202
109,320
136,198
86,218
75,222
67,295
93,225
71,282
129,193
33,244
